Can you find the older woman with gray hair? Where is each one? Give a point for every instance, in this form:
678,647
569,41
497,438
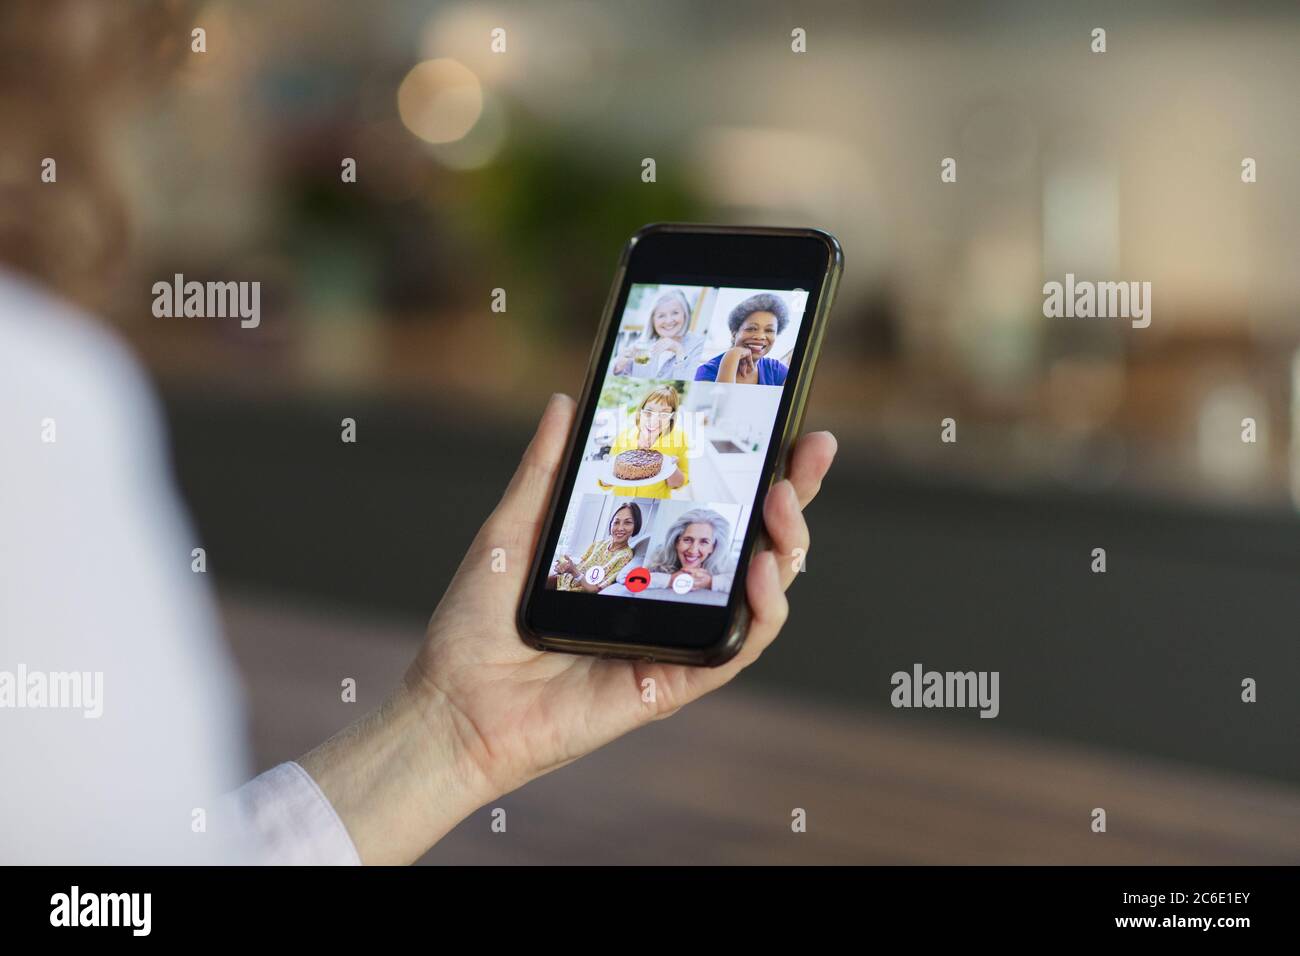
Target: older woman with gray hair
755,325
696,545
666,349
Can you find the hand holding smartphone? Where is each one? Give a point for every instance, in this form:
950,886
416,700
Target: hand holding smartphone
659,531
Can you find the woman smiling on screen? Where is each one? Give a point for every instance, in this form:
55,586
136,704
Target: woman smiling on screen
666,349
755,325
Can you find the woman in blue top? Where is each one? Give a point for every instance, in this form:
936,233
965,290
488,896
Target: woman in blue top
755,325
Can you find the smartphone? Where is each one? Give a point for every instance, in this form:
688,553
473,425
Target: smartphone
697,385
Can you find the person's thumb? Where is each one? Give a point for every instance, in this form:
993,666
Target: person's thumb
524,503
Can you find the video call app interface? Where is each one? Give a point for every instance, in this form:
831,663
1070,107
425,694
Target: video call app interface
671,465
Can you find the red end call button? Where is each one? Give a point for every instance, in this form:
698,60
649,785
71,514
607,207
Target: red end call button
638,579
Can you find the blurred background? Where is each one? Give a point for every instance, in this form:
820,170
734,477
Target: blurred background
521,170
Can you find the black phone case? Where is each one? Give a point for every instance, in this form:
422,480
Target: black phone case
723,651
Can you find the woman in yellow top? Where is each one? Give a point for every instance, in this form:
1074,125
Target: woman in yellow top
657,427
609,555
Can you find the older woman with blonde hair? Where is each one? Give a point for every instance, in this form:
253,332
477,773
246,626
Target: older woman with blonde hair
667,348
656,426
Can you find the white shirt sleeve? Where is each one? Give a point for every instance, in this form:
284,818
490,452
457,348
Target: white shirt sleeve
121,717
286,819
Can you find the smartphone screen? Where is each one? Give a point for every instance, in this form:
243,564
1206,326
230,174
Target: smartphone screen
702,359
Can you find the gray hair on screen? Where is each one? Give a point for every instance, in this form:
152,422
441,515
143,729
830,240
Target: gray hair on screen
763,302
666,559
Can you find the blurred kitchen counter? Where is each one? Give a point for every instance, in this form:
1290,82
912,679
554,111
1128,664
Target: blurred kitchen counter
717,783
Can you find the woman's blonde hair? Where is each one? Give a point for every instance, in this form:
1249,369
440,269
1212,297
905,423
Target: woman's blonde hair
649,334
664,393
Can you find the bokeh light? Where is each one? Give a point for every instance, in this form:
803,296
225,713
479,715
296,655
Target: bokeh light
440,100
